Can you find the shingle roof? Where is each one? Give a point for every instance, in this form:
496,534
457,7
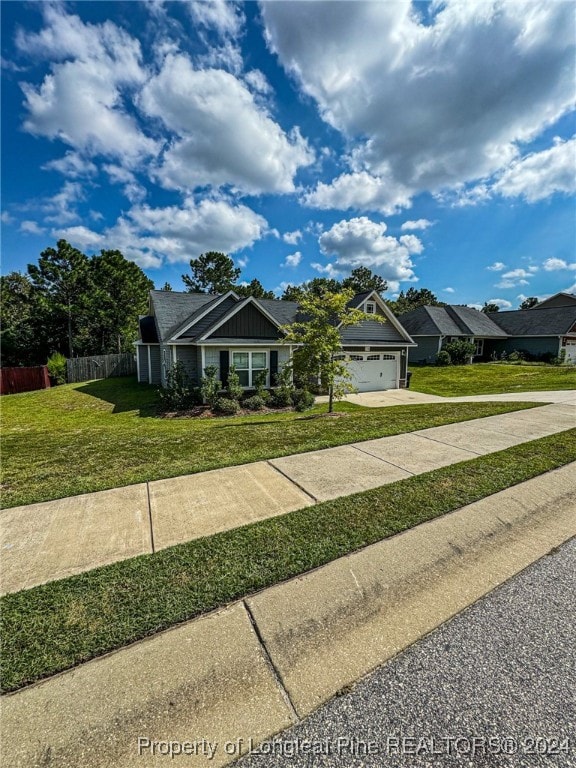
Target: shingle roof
449,321
554,321
172,309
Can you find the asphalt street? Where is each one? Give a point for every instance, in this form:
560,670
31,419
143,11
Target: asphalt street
493,687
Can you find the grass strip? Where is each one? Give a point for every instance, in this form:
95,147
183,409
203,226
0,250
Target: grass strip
81,438
58,625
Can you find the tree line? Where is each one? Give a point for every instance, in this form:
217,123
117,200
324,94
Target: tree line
72,304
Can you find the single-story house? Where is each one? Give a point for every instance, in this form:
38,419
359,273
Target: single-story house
202,330
432,327
543,332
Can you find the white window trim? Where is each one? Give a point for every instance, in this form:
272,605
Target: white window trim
250,370
370,311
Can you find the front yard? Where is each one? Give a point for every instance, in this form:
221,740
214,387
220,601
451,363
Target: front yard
102,434
490,379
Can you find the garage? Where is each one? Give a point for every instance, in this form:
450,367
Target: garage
570,347
374,371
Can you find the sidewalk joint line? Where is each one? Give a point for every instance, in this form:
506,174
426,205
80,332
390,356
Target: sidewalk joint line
384,461
150,518
301,487
451,445
275,671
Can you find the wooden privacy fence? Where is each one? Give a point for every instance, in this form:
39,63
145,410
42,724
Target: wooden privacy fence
13,380
100,367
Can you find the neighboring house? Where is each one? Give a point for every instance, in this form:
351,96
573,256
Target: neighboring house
543,332
200,329
432,327
558,300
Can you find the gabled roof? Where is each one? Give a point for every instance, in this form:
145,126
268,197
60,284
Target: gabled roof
551,321
450,321
148,332
561,299
192,317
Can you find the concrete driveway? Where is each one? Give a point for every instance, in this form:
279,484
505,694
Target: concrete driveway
410,397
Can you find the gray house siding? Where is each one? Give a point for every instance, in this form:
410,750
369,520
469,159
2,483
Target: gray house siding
426,350
248,323
369,331
142,352
199,328
188,356
543,345
155,365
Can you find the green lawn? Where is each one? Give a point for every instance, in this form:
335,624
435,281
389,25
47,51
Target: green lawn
88,437
490,379
58,625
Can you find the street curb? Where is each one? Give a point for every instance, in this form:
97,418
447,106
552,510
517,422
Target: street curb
244,672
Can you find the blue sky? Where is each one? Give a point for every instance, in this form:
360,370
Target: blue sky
432,142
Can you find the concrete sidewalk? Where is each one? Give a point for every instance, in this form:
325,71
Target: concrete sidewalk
206,688
54,539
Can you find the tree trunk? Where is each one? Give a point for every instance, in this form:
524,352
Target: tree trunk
70,348
330,398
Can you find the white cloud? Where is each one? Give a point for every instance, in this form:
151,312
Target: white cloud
223,137
257,81
541,174
502,303
359,191
418,224
149,236
551,265
327,269
81,101
475,306
133,190
81,237
433,105
72,165
514,278
293,260
6,218
449,290
292,237
362,242
498,266
61,207
221,15
31,228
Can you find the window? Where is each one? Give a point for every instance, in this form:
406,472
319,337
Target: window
479,351
388,357
373,357
370,308
356,357
248,365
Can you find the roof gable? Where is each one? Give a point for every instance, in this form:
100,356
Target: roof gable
453,320
250,321
558,300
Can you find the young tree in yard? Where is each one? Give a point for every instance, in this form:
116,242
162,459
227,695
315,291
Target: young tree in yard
529,302
61,280
254,288
318,338
489,307
212,272
118,294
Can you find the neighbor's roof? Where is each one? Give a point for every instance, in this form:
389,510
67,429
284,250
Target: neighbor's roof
561,299
450,321
553,321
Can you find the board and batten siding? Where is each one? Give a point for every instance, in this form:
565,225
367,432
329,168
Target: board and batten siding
144,375
248,323
155,364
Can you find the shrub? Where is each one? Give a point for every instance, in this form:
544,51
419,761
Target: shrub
260,382
515,356
57,367
460,351
302,399
254,403
177,394
210,385
281,398
443,358
225,406
233,389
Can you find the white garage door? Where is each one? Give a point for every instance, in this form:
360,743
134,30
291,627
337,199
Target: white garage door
570,352
371,372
